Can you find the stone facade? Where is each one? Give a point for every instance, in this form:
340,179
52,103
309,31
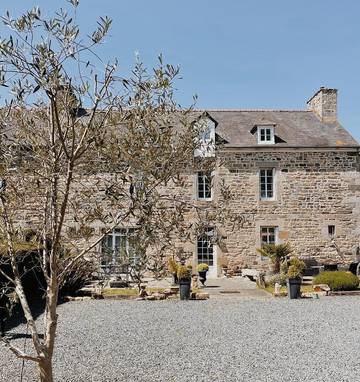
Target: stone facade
316,171
314,189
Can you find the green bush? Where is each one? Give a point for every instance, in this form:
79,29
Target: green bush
277,278
202,267
183,272
296,268
337,280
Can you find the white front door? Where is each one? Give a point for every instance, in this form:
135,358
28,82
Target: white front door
206,253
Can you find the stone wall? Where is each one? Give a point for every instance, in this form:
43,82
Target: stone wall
324,104
313,190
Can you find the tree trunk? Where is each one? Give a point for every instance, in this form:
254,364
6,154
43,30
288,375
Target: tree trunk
46,371
276,265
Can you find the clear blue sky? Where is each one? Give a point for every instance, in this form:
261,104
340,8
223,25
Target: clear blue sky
238,54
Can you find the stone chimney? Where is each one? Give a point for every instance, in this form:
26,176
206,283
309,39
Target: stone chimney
324,104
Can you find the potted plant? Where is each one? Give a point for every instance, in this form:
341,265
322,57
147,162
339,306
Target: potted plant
184,277
294,277
202,269
276,253
173,267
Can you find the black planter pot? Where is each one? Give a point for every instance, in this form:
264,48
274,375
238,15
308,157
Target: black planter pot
175,279
293,287
202,275
185,287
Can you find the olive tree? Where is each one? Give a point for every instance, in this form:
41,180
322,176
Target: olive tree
83,148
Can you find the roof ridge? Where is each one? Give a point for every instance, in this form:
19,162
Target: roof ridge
257,110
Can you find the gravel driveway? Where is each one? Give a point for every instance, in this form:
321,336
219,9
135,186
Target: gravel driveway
215,340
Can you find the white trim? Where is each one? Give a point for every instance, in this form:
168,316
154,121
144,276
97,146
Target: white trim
211,187
206,145
213,269
274,174
265,128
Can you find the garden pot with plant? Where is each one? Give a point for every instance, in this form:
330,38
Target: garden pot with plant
202,269
294,277
184,277
173,267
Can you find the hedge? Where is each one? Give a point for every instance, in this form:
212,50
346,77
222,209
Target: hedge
337,280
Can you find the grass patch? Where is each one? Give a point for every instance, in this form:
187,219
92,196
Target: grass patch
128,291
120,292
283,289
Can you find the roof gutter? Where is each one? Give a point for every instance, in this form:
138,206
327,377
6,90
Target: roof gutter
291,148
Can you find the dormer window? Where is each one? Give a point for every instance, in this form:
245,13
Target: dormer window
206,139
266,135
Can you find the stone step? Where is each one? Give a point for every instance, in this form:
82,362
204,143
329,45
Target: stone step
307,280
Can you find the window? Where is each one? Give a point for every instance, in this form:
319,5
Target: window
268,235
206,140
267,184
331,230
117,248
266,135
204,185
205,248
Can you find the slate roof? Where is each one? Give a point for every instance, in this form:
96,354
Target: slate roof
298,128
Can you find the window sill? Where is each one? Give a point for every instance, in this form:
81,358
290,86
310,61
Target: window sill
269,201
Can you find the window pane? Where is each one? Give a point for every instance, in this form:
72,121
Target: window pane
205,248
204,185
266,183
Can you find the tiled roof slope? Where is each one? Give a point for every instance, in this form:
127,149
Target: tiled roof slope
296,128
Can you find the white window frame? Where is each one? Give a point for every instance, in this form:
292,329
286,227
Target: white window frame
207,250
268,132
118,233
206,139
268,234
206,177
266,197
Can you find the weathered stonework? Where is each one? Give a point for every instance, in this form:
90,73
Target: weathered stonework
317,185
324,104
313,190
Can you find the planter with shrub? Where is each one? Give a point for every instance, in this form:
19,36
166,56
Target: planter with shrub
337,280
202,269
184,277
173,267
294,277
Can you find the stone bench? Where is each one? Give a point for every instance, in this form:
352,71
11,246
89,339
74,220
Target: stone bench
252,274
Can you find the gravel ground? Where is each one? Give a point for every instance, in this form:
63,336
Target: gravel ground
219,340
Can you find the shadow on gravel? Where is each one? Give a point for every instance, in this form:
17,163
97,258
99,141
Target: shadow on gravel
37,307
19,336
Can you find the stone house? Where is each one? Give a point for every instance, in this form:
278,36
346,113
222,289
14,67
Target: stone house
295,174
295,178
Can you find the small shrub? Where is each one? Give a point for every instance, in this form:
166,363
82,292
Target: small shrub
276,253
296,268
202,267
183,272
277,278
284,267
337,280
172,264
